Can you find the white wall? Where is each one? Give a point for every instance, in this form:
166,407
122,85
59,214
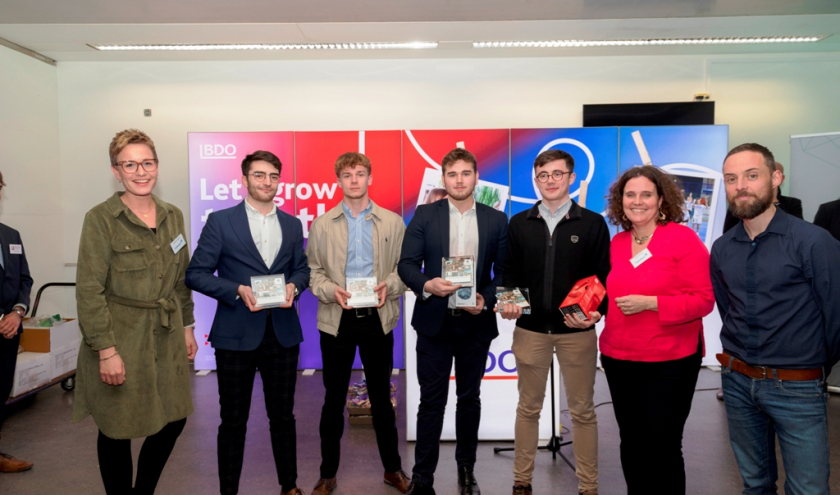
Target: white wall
763,98
98,99
30,162
769,99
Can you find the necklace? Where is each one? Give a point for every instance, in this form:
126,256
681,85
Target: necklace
144,213
641,240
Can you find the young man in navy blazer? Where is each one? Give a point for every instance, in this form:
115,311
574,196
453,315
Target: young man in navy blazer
15,285
455,226
253,238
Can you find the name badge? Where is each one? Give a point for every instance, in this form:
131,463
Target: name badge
641,258
178,243
15,249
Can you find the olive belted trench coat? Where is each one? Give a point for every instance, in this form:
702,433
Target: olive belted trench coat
130,293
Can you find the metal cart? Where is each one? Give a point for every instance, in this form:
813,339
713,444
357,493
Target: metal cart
67,380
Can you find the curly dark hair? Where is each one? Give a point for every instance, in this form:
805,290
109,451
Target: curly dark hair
666,188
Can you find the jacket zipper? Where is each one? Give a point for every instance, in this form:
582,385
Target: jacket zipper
549,278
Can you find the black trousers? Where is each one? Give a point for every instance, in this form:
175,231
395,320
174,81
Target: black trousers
115,460
235,371
457,341
8,359
651,402
377,352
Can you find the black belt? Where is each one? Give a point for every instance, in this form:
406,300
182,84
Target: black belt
362,312
454,311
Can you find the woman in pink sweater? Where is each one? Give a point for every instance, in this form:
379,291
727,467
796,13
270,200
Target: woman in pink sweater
659,290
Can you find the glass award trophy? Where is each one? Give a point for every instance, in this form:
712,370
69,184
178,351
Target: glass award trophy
460,270
514,295
269,290
361,292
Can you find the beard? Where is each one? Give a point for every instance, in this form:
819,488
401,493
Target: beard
255,192
461,196
748,210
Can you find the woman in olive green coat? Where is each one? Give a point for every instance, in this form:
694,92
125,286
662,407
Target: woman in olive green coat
136,316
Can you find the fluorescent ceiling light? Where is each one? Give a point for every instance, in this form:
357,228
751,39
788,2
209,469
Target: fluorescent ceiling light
647,42
418,45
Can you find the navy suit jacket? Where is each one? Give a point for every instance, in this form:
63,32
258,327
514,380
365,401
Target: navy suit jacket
828,217
227,247
427,242
17,283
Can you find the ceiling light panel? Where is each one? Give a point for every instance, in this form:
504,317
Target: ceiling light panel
419,45
647,42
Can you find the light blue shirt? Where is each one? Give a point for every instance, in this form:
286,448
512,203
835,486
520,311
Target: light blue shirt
552,219
359,243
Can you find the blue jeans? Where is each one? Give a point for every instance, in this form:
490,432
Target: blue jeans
759,410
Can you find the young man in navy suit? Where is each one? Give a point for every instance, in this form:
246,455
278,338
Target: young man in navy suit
14,301
253,238
455,226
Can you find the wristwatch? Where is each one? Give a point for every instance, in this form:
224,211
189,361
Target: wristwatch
20,311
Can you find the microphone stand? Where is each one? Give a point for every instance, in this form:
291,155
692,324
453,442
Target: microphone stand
556,441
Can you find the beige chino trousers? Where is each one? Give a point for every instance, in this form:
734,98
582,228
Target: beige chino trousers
577,354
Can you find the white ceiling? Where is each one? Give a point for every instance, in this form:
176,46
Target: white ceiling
308,11
62,29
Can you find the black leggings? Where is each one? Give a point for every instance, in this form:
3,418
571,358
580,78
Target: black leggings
116,466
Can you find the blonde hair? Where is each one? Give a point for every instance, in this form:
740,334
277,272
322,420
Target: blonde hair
126,137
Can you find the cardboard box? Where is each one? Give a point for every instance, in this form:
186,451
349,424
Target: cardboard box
355,410
42,339
361,420
31,371
584,297
63,359
61,341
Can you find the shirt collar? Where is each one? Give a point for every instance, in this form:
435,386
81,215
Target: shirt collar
778,225
117,206
453,209
253,211
546,211
349,213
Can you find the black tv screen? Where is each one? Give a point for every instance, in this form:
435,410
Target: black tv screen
648,114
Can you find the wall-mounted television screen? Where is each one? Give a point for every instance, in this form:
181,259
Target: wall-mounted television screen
649,114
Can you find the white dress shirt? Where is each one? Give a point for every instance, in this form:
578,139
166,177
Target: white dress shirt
463,239
265,230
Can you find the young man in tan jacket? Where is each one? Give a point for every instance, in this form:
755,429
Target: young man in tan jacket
356,239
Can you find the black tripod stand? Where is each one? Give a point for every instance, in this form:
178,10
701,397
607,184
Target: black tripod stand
556,441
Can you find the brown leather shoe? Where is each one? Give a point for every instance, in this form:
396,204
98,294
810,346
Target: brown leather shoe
9,464
398,480
522,490
293,491
324,486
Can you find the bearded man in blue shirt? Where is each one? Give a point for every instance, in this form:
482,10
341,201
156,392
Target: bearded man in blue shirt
777,282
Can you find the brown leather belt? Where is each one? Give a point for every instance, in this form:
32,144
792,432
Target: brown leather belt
764,372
